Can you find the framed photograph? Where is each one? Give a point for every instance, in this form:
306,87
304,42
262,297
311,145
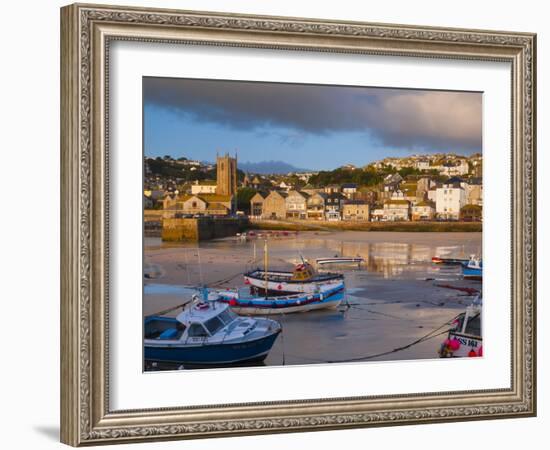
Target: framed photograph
274,224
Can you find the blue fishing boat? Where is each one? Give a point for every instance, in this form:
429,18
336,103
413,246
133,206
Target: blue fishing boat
473,269
208,333
326,297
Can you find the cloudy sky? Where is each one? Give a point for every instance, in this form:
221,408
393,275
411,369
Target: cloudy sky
310,126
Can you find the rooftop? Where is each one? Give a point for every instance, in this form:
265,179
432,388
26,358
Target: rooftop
209,198
426,203
396,202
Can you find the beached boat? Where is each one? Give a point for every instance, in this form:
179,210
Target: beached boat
208,333
302,279
473,269
327,297
340,260
449,261
465,339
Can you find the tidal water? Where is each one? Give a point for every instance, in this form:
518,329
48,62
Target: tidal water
396,298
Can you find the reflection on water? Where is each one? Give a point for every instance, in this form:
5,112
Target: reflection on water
389,258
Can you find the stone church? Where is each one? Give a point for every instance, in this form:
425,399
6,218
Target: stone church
220,203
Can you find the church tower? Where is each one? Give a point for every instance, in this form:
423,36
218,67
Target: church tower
226,178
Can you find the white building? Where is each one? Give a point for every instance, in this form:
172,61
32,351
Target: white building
349,190
449,199
396,210
422,164
454,169
203,187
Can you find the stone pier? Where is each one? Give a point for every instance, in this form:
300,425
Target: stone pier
203,228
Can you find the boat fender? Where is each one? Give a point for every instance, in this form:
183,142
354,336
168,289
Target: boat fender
454,344
472,353
279,287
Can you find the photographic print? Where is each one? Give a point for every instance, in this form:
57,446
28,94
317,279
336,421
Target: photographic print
313,200
296,224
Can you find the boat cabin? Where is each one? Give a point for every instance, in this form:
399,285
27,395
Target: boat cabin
201,320
469,324
303,272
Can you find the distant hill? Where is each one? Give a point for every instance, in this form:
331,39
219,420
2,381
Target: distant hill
269,167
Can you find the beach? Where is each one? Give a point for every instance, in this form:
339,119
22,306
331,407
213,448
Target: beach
394,299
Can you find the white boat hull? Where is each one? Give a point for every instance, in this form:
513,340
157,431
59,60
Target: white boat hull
467,343
284,286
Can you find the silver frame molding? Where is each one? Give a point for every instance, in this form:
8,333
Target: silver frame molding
86,32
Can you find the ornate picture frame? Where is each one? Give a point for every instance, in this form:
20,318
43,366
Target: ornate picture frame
87,32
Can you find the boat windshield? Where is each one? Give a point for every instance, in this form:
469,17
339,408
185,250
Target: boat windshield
214,325
227,316
473,326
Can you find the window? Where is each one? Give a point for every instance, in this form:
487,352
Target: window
474,326
227,316
214,324
197,330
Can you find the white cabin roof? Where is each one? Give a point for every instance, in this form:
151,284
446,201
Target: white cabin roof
200,312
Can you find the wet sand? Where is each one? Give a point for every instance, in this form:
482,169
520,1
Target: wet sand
393,299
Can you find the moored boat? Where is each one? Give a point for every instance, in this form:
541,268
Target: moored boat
302,279
449,261
465,339
473,269
340,260
327,297
208,333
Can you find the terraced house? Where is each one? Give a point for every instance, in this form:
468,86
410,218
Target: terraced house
424,210
274,205
316,206
333,206
257,205
355,210
296,205
396,210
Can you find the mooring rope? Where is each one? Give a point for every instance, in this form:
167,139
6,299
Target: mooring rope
166,311
425,337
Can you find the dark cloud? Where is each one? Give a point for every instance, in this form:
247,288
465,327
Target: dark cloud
437,120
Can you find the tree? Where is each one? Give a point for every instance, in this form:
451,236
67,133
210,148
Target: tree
244,195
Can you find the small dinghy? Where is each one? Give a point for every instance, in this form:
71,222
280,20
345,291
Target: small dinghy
327,297
340,260
208,333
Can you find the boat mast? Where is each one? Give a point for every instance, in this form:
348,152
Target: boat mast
265,267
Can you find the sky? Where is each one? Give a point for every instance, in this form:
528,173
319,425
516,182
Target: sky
317,127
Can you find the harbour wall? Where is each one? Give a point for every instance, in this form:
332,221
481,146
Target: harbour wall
202,229
353,225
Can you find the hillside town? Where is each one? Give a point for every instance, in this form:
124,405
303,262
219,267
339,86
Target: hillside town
434,187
